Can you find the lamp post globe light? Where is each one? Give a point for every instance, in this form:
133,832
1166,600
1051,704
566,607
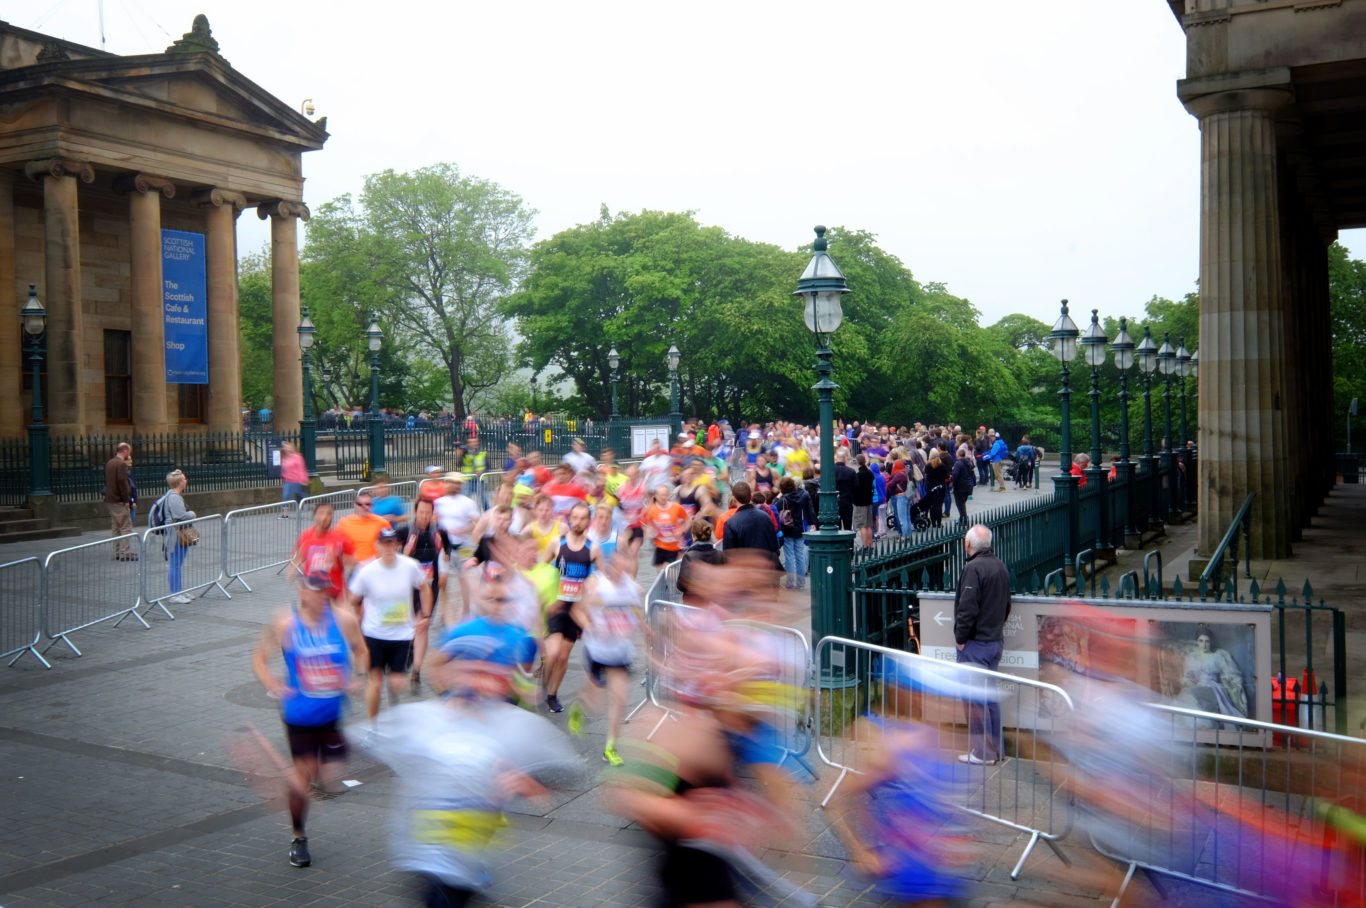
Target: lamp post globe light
308,426
1123,348
832,549
1064,347
675,415
1146,354
374,338
1093,342
33,317
1166,364
614,361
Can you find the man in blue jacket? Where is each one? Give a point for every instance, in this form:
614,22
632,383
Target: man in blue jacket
997,456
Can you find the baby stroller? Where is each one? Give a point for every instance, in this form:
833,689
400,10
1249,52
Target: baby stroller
929,510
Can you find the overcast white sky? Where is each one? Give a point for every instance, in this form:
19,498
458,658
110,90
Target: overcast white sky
1018,152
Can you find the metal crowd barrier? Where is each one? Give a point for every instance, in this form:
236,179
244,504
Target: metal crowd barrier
21,623
85,585
343,503
779,695
259,538
1020,793
201,566
1251,808
407,490
783,691
661,590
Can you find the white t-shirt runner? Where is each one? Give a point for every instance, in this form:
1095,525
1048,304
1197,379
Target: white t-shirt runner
609,637
456,515
387,597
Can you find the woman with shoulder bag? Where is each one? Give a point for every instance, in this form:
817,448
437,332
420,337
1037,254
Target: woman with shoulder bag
173,507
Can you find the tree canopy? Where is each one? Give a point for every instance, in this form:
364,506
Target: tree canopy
444,258
433,252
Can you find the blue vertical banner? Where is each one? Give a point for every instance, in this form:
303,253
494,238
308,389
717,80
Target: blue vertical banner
184,297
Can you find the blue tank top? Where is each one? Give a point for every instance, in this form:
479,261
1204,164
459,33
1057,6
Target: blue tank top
574,568
317,670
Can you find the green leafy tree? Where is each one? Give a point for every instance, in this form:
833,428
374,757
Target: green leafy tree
1347,302
255,333
434,251
641,282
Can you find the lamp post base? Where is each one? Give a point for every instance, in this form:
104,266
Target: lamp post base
39,452
832,613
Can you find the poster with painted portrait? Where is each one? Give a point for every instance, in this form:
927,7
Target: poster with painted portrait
1209,667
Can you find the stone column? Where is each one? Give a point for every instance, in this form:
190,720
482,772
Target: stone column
11,331
66,373
221,208
284,287
1244,443
147,319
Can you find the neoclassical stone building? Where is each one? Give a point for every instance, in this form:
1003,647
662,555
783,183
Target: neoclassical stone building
1279,88
110,167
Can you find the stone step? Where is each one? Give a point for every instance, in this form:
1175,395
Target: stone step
8,514
44,532
19,525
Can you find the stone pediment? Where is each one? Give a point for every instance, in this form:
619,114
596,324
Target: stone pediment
195,86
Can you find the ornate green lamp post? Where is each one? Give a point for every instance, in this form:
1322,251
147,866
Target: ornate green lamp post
613,361
375,339
1123,348
832,548
1184,369
1064,337
1147,364
675,415
308,426
34,319
1166,364
1093,342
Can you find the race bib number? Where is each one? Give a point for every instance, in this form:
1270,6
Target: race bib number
428,570
319,676
396,613
570,590
620,622
666,533
456,828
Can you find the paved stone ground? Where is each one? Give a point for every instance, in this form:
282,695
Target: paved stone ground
144,773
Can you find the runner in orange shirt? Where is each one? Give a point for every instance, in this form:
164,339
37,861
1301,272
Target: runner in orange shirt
361,528
665,522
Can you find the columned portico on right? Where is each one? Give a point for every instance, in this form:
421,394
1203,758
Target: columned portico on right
1243,439
1279,89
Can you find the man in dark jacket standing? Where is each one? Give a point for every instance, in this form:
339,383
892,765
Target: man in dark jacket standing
963,479
118,497
749,527
980,608
844,488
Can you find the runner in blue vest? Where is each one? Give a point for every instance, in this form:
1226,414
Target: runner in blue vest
574,556
319,646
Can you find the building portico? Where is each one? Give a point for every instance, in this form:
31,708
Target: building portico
100,157
1279,89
